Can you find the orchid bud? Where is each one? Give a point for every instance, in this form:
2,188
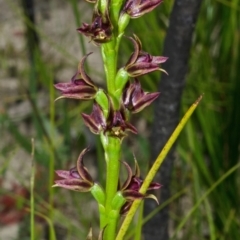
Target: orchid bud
98,194
118,201
102,99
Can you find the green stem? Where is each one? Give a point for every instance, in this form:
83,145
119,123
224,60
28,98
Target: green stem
155,168
112,147
114,11
109,59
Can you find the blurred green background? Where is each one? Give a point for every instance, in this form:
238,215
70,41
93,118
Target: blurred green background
36,54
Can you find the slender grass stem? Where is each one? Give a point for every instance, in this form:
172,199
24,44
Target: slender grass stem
155,168
203,197
52,155
32,226
156,210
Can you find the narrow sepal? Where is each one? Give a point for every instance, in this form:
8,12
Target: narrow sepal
125,208
154,186
137,48
129,176
82,72
131,195
95,121
135,99
82,170
90,235
78,90
152,197
137,8
137,168
74,184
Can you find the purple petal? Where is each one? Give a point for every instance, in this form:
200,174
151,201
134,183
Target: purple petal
135,184
63,173
74,184
159,59
131,128
83,172
91,123
137,169
95,121
137,8
74,173
132,195
85,77
154,185
145,101
140,69
137,48
129,176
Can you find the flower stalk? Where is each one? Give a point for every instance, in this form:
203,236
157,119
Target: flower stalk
112,149
110,114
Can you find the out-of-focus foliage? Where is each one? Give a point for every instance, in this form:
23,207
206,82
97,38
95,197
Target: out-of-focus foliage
207,148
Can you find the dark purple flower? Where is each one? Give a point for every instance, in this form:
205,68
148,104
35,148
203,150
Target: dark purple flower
140,62
77,178
135,99
100,30
96,121
130,188
137,8
117,124
80,87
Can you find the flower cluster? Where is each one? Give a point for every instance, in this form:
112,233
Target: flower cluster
133,98
112,107
130,188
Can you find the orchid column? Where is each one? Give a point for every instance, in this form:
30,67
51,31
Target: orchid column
111,108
